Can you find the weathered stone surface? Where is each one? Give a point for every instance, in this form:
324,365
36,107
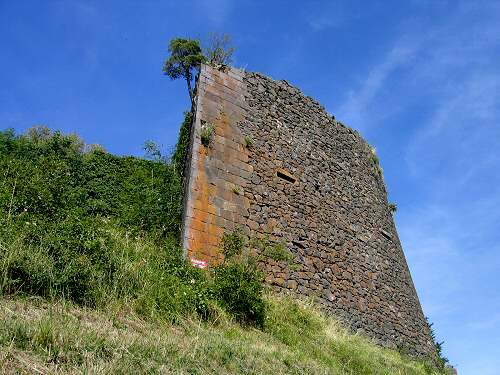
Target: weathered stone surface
308,181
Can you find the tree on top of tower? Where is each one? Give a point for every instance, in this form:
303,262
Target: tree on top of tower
185,59
220,49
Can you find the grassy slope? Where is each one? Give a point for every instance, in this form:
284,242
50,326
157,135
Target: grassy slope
41,337
99,232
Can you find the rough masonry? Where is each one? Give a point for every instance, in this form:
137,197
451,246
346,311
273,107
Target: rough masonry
278,165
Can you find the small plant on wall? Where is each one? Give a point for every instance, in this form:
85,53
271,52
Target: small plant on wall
376,163
276,251
393,207
233,243
206,133
248,142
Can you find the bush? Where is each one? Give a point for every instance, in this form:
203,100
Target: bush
232,243
180,154
238,283
238,288
206,134
81,224
52,177
60,204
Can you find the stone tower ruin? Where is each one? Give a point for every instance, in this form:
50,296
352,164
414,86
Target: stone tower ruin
269,160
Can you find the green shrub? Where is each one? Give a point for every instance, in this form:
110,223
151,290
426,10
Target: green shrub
238,283
60,203
180,154
238,287
440,360
71,258
81,224
277,251
232,243
206,133
248,142
375,160
54,177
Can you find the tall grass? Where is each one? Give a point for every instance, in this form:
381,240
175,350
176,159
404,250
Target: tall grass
81,228
80,224
36,337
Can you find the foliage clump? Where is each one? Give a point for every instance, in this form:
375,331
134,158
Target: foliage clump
220,50
61,207
238,283
249,142
233,243
186,57
206,133
182,148
440,359
81,224
375,160
277,251
239,286
185,60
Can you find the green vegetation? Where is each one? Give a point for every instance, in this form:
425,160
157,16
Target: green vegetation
184,61
219,51
92,228
186,57
233,243
80,224
442,361
248,142
379,172
92,278
206,133
393,207
60,338
276,251
181,149
239,282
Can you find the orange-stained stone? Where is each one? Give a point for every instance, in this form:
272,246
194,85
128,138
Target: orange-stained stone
213,202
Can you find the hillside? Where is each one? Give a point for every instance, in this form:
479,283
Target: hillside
42,337
92,278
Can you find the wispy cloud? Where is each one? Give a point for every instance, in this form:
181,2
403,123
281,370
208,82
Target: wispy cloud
324,16
461,132
356,109
452,158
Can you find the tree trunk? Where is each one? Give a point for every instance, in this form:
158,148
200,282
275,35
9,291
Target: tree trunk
191,93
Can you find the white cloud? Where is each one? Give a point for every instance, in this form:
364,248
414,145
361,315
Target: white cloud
321,15
356,109
453,159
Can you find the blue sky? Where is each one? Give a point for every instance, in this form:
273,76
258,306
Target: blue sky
419,79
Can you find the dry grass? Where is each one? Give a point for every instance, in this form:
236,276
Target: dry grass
37,337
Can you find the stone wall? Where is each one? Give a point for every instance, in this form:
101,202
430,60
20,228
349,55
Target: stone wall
307,181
